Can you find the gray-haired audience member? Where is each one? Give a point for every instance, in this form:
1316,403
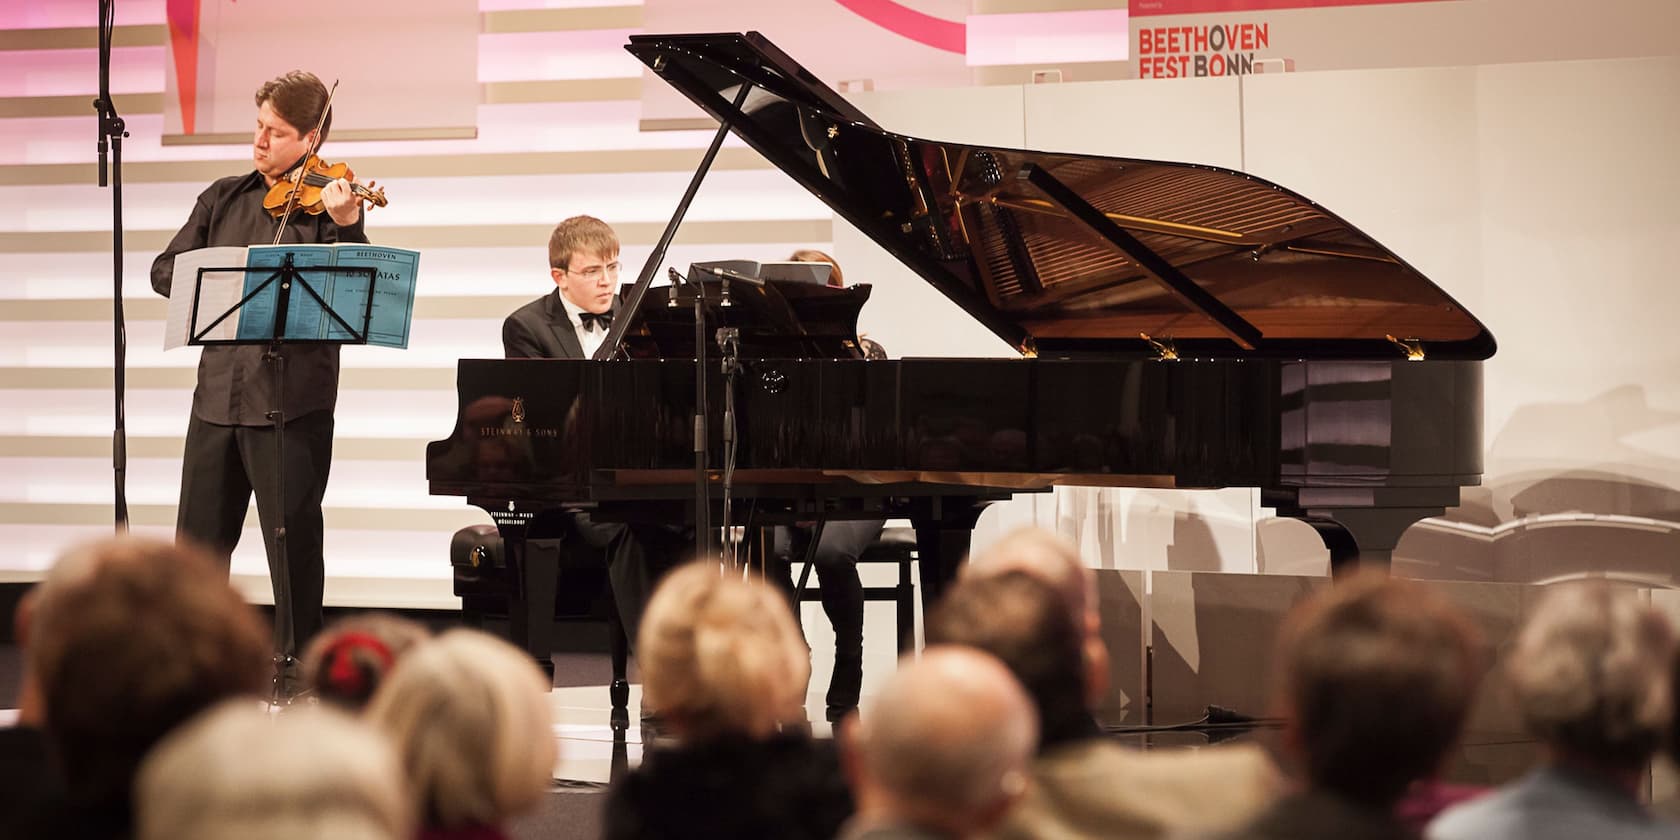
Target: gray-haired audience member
239,772
1376,677
1085,784
469,716
943,750
132,638
1590,674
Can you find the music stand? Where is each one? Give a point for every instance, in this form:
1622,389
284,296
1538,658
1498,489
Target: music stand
283,279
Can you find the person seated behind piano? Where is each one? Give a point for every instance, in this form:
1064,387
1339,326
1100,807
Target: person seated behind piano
838,549
571,322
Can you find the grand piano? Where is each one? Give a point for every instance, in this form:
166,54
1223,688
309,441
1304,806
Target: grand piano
1177,326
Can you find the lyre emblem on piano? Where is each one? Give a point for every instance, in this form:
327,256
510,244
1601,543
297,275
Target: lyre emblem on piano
518,409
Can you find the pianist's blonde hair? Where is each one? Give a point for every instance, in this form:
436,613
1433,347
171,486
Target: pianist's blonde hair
581,235
721,655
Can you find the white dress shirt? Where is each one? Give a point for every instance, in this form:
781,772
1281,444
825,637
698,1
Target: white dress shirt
589,339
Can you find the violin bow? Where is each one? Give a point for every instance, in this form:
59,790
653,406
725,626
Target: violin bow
314,146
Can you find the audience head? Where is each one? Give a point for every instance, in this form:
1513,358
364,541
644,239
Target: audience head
70,567
583,260
1027,626
470,719
239,771
1377,677
1056,563
129,639
1590,675
945,746
721,655
345,663
1047,557
835,278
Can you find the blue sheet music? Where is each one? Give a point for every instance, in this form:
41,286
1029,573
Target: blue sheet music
387,315
393,293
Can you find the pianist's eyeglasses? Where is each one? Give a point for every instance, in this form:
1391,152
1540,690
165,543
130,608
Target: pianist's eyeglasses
596,272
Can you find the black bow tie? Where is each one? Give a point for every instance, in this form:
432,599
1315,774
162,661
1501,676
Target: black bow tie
591,320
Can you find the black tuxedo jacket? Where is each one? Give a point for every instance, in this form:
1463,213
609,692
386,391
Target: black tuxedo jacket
542,329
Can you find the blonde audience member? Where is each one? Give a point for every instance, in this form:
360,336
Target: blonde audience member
469,716
723,662
1590,674
238,771
1376,677
347,661
942,751
134,638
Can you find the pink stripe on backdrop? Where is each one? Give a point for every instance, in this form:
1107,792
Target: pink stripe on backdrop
941,34
1054,37
55,14
1145,8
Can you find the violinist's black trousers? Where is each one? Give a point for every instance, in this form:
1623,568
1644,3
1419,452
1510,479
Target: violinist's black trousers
220,469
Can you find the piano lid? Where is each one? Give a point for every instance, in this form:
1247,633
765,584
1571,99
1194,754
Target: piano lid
1079,255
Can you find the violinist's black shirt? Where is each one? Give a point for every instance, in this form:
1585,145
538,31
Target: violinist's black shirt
235,387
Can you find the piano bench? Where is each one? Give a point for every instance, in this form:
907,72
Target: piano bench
895,545
486,586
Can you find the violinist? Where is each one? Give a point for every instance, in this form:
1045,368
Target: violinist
229,449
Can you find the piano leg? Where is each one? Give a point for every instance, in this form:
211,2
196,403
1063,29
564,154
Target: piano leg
1361,538
618,647
535,577
944,528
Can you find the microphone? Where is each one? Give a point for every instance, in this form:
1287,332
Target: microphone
676,286
725,275
728,274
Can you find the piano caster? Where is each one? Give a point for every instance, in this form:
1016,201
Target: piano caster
620,693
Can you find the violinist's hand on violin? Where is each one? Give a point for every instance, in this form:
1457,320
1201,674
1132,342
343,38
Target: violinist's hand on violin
341,203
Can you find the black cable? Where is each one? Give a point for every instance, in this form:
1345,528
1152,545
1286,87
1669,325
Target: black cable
1216,718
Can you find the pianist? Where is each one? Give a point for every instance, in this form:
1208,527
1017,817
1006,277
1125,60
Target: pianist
570,322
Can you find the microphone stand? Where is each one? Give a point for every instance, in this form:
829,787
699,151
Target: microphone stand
702,435
111,132
729,341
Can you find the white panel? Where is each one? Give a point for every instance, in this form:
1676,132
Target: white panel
49,14
434,43
70,72
575,54
444,201
1394,152
1579,177
1185,120
513,127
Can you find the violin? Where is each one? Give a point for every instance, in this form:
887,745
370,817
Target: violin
315,174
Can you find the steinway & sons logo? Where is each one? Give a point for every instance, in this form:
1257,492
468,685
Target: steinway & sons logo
513,425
